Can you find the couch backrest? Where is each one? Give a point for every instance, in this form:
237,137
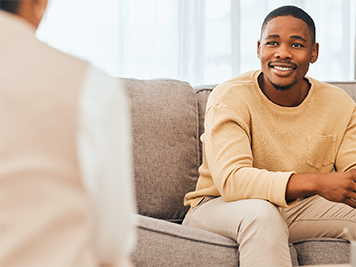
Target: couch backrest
165,145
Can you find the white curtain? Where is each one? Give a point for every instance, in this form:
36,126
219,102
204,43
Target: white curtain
199,41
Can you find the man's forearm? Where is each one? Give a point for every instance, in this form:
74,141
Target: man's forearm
336,186
301,185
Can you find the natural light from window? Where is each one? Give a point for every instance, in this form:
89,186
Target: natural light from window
200,41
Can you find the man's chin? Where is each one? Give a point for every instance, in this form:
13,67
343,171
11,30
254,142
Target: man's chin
281,87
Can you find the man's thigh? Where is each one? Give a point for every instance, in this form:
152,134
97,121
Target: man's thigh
257,226
317,217
231,218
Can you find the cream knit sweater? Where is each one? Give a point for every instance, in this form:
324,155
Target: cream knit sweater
252,146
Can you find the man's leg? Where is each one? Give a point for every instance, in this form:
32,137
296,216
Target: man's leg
317,217
256,225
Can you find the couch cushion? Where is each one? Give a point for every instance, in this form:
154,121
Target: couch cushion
161,243
319,251
165,145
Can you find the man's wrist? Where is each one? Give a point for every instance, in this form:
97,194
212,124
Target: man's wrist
303,185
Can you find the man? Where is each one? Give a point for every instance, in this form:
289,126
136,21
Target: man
65,177
272,140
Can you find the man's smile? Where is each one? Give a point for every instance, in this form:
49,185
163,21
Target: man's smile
282,68
282,65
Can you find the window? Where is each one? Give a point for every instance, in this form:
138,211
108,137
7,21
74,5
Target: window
200,41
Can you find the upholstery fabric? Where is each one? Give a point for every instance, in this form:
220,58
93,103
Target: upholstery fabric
161,243
165,144
319,251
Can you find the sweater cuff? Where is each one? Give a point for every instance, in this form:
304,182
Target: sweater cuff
277,190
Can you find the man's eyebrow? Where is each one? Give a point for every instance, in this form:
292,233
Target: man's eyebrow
297,37
273,36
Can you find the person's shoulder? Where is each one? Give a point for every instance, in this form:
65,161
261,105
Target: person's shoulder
331,92
60,58
234,87
244,79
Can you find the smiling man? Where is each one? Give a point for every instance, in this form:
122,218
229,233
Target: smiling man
279,150
285,58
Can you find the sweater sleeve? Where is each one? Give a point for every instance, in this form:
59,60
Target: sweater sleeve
230,159
346,157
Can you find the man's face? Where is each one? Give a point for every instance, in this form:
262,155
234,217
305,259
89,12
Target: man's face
285,51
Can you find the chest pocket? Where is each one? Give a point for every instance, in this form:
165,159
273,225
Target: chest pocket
321,150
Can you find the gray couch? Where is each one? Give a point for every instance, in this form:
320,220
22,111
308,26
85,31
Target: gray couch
167,120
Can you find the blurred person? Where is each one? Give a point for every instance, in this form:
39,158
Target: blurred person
66,196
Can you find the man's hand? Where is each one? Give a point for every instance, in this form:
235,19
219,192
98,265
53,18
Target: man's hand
339,187
335,186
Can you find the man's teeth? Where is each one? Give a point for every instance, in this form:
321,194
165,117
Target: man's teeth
282,68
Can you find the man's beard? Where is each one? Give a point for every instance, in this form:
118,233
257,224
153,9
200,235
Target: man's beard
282,88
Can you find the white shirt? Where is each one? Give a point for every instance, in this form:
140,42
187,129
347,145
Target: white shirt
105,157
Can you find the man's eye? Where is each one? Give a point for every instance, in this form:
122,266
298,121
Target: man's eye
297,45
271,43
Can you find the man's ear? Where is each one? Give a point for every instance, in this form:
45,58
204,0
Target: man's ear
315,53
258,48
39,9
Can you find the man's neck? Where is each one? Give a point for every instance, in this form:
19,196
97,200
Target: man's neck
290,97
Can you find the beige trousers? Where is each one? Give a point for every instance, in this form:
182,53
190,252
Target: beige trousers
263,230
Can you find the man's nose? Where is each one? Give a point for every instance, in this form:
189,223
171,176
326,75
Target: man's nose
283,52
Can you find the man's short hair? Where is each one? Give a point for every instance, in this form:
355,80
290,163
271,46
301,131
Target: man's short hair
9,5
291,11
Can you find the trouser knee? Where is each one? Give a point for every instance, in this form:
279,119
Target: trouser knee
263,229
263,216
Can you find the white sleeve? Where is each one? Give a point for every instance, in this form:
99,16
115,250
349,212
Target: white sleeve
105,159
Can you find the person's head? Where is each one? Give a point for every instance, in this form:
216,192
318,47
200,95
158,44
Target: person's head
9,6
294,12
287,46
30,10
